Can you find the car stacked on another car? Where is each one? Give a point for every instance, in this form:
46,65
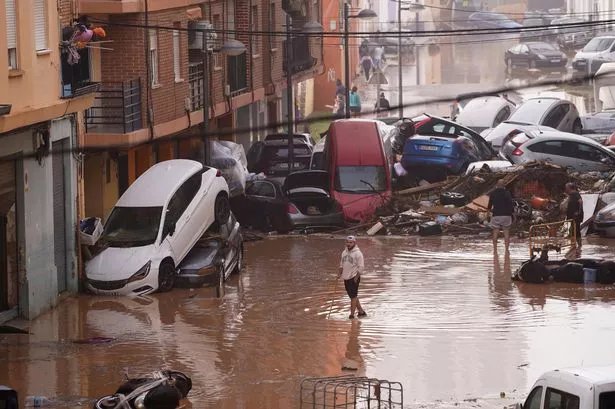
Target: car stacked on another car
554,113
571,151
442,147
271,157
483,113
154,225
535,55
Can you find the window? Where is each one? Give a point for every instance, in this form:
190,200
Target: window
556,116
360,179
132,226
607,400
254,27
272,42
264,189
586,152
40,25
237,74
555,399
153,56
218,29
180,202
11,33
534,398
548,148
176,54
501,116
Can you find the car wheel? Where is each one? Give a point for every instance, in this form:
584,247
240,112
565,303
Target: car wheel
577,127
239,264
453,198
222,209
166,276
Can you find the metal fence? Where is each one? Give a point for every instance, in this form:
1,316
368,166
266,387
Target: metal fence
351,392
117,108
196,80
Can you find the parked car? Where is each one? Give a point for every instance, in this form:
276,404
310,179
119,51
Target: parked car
571,38
604,221
304,137
154,225
535,55
216,255
483,113
489,20
571,151
551,112
304,200
598,50
358,167
539,34
271,158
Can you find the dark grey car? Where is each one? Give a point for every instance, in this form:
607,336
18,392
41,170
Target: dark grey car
217,255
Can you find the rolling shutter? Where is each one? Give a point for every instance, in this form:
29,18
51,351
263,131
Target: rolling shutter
11,24
40,25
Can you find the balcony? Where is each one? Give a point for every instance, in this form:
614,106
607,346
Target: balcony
195,81
237,76
116,109
76,78
301,58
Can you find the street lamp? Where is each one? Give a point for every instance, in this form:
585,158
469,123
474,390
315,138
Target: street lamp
363,14
231,47
411,6
311,27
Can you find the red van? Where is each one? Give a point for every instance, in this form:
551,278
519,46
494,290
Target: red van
359,171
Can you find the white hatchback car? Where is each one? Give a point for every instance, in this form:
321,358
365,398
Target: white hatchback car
154,225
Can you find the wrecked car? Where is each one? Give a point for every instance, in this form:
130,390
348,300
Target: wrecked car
483,113
304,200
358,167
212,260
271,158
604,221
154,225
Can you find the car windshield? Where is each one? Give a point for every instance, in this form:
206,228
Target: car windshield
132,226
542,47
530,112
280,153
598,44
360,179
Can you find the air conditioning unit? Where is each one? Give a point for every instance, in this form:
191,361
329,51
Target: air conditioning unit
195,37
227,90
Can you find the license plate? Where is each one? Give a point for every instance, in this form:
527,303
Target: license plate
428,148
581,63
556,60
285,165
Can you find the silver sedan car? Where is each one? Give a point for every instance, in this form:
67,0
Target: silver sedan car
571,151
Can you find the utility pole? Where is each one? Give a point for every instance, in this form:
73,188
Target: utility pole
290,106
346,59
400,98
205,98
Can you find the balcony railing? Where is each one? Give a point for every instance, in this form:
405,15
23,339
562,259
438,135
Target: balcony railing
301,58
116,109
196,80
237,74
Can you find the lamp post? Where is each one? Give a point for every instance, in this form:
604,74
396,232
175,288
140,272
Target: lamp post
231,47
363,14
411,6
311,27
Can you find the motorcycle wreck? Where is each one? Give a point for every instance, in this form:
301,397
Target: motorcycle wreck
158,390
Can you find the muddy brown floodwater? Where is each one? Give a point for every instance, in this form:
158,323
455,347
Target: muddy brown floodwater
444,319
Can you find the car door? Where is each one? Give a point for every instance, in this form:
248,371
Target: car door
229,250
265,196
553,151
179,227
554,117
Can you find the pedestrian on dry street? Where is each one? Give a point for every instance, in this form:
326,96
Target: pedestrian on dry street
574,210
501,207
351,268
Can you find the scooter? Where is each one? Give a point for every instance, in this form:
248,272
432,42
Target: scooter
158,389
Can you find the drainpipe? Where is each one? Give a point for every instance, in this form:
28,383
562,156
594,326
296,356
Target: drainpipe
148,85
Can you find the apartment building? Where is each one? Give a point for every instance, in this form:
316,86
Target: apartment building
41,111
153,82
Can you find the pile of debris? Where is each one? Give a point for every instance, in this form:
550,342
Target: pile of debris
458,205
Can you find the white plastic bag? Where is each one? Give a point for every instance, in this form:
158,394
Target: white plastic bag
90,230
230,159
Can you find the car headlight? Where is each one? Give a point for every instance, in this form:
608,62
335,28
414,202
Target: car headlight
142,273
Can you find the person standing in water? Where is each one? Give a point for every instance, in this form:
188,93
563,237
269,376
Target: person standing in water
351,268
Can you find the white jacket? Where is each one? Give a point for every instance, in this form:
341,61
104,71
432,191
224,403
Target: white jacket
351,263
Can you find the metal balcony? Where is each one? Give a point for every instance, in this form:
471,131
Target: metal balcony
116,109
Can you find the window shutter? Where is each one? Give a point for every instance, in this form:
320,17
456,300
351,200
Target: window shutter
40,25
11,24
176,55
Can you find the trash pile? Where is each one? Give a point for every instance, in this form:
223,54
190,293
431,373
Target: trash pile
458,205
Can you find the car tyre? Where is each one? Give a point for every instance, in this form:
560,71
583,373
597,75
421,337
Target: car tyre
577,127
222,209
166,276
239,264
221,278
453,198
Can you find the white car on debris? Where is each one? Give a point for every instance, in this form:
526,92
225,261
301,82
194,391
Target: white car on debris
154,225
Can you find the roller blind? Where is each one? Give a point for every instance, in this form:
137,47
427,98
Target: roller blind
40,25
11,24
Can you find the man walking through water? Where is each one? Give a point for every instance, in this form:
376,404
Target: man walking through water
351,267
501,207
574,210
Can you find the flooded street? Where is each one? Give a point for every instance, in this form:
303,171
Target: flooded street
444,319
